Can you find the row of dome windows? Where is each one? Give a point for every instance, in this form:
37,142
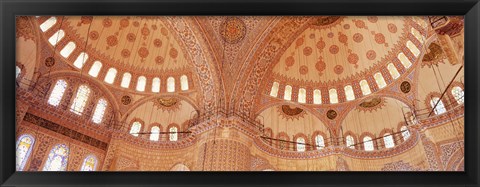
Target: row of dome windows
57,159
380,81
154,132
350,142
79,102
112,72
457,93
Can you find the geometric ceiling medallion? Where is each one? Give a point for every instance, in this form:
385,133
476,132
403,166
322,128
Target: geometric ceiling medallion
126,100
331,114
232,30
323,21
49,61
405,87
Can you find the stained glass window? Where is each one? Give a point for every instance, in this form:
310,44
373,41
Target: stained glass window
141,83
333,96
81,59
18,71
80,100
57,159
349,93
57,92
156,85
24,148
350,142
135,129
184,82
380,81
173,134
393,71
95,69
99,111
302,95
404,60
110,77
288,93
274,90
126,80
365,87
388,139
300,144
317,97
68,49
319,142
170,84
458,94
48,24
55,38
405,132
155,133
89,163
440,109
368,143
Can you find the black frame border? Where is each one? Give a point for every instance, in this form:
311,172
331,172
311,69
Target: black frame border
10,8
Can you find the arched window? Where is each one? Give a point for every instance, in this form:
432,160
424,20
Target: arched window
404,60
170,84
274,91
388,139
458,93
89,163
368,143
393,71
380,81
288,93
440,109
24,148
127,77
99,111
80,100
156,85
173,134
333,96
18,71
55,38
417,34
317,97
302,95
141,83
68,49
48,24
184,82
365,88
57,159
155,133
319,142
81,59
110,77
350,142
135,129
57,92
349,93
300,144
413,48
95,69
405,132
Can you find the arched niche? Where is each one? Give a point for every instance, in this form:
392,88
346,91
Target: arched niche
293,120
160,110
374,117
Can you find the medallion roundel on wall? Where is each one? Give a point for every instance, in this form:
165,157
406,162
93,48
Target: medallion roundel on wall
331,114
233,30
405,87
126,100
49,61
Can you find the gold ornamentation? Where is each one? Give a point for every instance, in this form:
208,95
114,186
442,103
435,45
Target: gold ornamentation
167,103
371,104
291,113
126,100
331,114
405,87
49,61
